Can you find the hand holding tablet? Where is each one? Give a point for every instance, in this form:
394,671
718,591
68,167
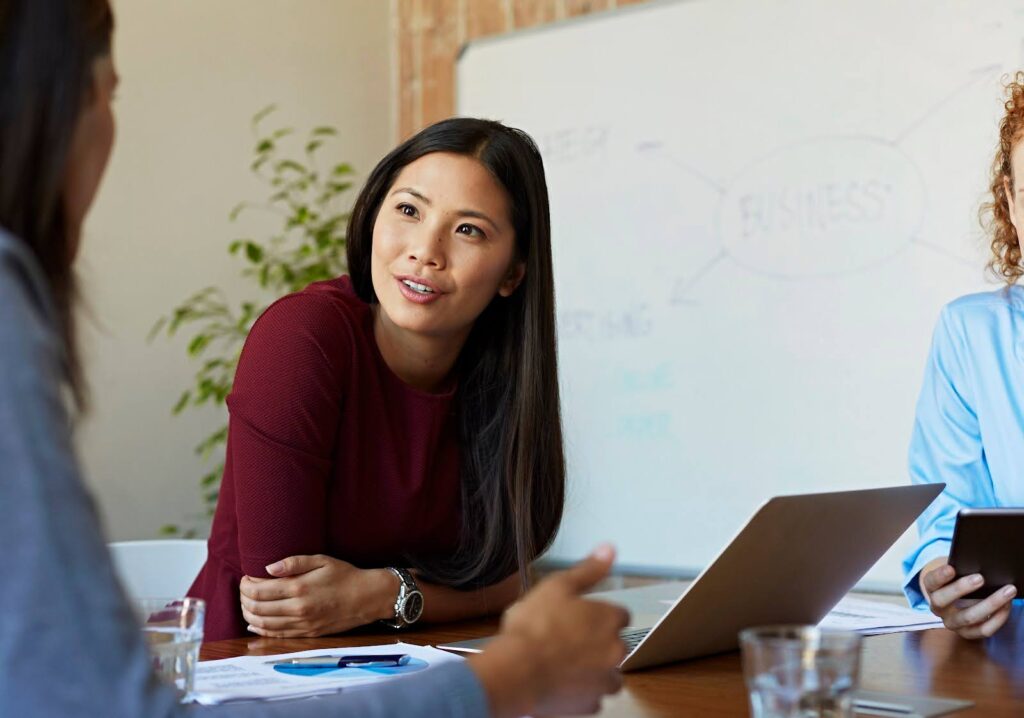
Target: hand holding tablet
973,591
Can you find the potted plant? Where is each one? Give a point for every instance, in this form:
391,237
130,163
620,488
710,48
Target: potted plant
307,246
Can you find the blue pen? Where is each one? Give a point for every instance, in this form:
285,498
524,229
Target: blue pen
354,661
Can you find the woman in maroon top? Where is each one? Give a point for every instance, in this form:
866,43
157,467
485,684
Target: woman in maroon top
395,439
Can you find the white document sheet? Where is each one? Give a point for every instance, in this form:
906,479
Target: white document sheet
871,618
256,678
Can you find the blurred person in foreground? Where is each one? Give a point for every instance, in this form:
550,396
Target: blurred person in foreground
69,644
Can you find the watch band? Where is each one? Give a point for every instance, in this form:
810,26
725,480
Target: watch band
409,602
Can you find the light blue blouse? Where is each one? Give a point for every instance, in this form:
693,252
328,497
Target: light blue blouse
969,429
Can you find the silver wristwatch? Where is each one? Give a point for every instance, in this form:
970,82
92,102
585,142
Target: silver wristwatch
409,603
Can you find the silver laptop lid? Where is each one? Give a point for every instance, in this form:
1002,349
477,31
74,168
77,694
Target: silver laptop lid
791,563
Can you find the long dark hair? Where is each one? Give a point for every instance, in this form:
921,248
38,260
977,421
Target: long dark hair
47,50
507,405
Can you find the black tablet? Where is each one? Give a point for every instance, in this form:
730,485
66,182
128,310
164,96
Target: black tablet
989,542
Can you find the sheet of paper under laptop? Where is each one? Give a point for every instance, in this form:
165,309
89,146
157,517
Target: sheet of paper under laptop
871,618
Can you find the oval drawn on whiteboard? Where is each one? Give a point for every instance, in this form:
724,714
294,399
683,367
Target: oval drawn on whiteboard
826,206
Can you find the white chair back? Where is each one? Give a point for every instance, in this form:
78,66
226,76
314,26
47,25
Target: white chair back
159,568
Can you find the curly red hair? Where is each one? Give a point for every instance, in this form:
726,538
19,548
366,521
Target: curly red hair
995,215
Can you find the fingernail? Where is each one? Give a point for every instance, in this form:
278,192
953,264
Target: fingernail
976,580
605,552
250,629
273,567
948,571
1009,591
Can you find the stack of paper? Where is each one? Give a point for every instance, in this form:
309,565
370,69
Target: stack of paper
871,618
248,678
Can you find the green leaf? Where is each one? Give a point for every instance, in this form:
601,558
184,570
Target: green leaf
313,146
343,169
176,319
158,325
254,252
211,442
170,530
264,146
210,479
324,131
236,245
283,132
198,343
248,310
286,165
182,402
237,210
262,114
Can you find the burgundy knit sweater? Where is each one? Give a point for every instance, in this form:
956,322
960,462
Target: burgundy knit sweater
328,452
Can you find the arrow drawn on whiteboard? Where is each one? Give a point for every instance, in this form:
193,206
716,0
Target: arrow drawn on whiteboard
658,149
942,252
683,285
934,109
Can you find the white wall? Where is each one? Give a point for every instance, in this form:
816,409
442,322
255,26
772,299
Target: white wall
193,73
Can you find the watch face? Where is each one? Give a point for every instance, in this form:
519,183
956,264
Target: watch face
413,607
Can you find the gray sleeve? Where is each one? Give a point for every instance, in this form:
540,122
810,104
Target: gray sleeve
69,645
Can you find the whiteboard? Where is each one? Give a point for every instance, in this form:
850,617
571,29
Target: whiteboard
759,209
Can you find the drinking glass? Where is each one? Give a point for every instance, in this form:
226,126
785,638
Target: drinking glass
173,628
800,671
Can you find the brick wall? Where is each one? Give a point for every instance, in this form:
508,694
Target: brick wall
429,33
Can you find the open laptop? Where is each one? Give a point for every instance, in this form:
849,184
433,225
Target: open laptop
790,563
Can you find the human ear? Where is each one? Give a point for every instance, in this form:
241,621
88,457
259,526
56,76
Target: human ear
512,279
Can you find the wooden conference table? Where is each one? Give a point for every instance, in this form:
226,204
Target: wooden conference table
934,662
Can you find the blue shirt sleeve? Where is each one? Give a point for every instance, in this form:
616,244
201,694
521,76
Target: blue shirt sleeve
69,645
945,447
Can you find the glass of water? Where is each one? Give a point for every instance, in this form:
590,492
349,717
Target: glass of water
173,628
800,671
